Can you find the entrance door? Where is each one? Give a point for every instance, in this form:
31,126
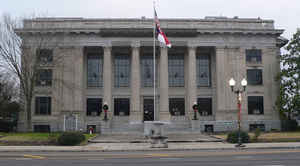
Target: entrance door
148,110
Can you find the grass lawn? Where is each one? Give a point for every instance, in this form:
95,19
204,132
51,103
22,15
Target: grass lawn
271,137
28,136
33,138
87,137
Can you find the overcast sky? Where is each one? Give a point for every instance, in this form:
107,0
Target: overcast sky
285,13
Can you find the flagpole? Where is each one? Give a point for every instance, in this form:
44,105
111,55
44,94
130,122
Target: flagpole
154,87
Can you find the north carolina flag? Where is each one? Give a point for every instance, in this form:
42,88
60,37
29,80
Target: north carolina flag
160,34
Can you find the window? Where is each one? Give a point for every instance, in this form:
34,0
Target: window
44,77
253,56
252,127
254,76
41,128
203,70
205,106
147,71
44,55
176,70
94,107
255,105
176,106
122,70
94,70
89,127
43,105
121,107
209,128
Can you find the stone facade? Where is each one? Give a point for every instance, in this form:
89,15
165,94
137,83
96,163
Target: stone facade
225,40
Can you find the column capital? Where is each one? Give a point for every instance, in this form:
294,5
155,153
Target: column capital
107,45
163,48
192,46
161,45
135,44
221,47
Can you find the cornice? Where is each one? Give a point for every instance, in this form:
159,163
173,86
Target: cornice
147,32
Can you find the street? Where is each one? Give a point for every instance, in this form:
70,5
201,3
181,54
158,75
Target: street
165,158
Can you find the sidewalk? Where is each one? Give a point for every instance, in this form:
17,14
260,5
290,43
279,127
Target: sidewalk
140,138
110,147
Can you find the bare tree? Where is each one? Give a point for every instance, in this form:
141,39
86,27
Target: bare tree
9,96
24,59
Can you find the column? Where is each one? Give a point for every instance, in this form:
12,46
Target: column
107,79
192,80
164,114
135,112
78,78
221,83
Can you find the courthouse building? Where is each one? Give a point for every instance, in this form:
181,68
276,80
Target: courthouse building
111,61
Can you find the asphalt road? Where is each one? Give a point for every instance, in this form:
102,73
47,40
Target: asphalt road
180,158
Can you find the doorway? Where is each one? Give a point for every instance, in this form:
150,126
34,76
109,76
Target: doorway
148,110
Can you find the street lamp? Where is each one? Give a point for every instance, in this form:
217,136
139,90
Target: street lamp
238,92
195,108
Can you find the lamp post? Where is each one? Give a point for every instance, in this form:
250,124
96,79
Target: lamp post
238,93
105,108
195,108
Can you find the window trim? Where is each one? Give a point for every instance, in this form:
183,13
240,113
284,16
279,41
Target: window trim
115,107
99,110
255,82
118,84
181,113
210,112
48,55
35,126
39,81
100,71
250,112
254,126
181,80
209,70
38,106
250,55
146,83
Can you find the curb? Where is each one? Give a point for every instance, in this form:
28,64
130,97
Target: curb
146,141
145,150
92,140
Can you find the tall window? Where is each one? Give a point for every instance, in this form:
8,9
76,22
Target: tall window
253,56
147,71
94,107
43,105
176,70
203,70
44,55
121,107
94,70
205,106
255,105
44,77
122,70
254,76
176,106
